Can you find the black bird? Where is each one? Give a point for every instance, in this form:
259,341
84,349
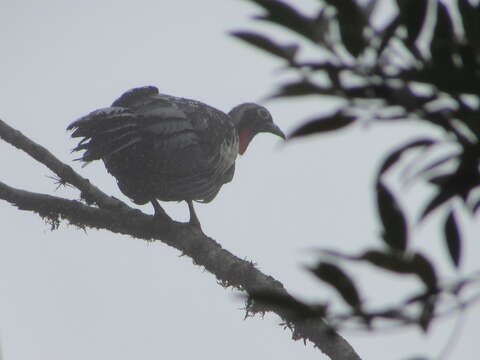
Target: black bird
168,148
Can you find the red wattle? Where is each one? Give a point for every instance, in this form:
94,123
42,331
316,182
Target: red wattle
244,140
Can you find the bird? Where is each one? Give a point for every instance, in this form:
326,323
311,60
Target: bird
168,148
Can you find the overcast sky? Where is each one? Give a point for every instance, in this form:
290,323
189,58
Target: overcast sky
71,294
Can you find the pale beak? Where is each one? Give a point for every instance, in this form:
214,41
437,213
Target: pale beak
273,129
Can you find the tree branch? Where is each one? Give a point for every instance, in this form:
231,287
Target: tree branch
88,191
118,217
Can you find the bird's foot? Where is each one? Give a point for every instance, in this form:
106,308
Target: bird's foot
160,214
193,216
194,222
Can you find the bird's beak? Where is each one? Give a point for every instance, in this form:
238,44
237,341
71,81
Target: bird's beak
273,129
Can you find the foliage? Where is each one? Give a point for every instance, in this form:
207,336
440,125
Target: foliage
420,65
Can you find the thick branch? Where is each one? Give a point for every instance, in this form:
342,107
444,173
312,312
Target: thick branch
206,252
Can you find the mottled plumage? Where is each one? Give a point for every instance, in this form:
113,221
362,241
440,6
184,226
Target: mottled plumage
168,148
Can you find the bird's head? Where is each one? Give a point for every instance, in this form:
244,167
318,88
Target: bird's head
251,119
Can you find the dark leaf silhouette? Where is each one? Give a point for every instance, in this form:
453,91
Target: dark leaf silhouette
324,124
444,25
435,164
396,154
395,230
427,314
387,34
301,88
388,261
425,271
413,14
352,22
391,82
282,14
471,24
438,200
286,52
443,42
452,238
440,180
335,277
416,264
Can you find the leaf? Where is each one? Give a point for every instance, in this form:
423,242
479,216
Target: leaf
388,261
396,154
335,277
427,314
440,180
453,238
286,16
470,15
438,200
324,124
425,271
443,42
301,88
351,21
413,14
387,33
444,25
286,52
395,231
417,265
436,164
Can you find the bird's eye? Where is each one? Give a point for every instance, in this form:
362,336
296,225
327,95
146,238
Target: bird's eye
264,114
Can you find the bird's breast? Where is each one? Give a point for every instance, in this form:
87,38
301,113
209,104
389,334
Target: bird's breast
227,154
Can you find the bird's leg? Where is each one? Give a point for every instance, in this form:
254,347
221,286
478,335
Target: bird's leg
193,216
159,212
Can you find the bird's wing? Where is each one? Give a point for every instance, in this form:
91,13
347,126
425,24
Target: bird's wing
159,127
105,131
136,98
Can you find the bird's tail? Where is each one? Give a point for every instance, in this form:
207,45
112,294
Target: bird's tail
105,132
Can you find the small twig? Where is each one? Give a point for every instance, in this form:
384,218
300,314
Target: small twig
454,335
59,182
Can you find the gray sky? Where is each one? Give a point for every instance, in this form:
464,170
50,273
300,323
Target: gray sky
94,295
